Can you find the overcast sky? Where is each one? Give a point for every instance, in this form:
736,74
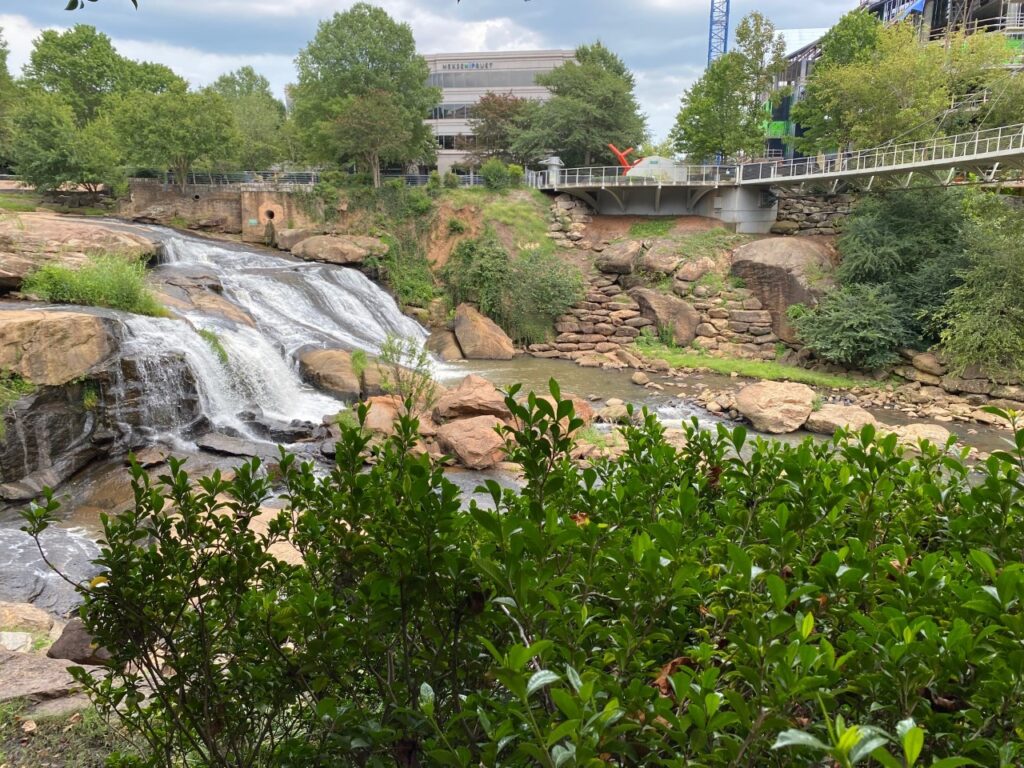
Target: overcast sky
663,41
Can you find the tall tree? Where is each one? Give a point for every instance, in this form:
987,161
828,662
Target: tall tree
7,103
593,103
355,54
259,115
497,121
723,112
715,119
177,130
49,150
371,129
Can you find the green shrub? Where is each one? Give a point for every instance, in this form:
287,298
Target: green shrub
12,388
456,227
495,174
359,362
406,269
859,326
727,603
910,241
214,342
108,280
451,181
434,182
523,293
985,314
516,175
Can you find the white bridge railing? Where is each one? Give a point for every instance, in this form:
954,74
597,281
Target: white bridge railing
987,146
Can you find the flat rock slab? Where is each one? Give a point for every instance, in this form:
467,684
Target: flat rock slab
36,678
226,445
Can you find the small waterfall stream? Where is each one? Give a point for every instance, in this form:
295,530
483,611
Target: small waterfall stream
294,306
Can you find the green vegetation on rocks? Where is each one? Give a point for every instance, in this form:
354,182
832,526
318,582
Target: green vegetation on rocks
12,388
107,280
726,603
214,342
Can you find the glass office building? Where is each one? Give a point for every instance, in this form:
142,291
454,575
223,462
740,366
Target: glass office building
465,77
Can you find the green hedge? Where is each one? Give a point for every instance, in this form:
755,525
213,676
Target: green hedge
729,603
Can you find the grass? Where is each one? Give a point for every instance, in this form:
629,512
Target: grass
214,341
522,212
752,369
12,388
710,243
593,436
106,280
651,228
19,202
82,740
359,362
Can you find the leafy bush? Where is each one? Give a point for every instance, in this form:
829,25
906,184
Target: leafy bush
456,226
495,174
406,269
522,294
985,314
910,241
451,181
107,280
516,175
719,604
860,326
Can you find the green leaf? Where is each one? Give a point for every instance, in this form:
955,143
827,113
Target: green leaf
984,562
427,700
540,679
807,625
794,738
913,743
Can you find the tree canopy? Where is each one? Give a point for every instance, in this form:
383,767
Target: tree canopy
722,114
355,54
593,103
498,120
259,115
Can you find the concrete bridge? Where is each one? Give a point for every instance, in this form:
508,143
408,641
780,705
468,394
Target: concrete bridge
741,194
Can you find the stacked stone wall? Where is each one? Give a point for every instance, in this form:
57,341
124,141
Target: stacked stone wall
803,214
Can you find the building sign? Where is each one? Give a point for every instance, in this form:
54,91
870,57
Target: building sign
468,65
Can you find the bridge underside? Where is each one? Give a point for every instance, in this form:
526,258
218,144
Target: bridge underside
747,209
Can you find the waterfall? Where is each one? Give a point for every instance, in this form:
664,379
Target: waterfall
294,306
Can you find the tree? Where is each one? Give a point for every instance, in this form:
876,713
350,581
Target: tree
7,102
175,130
49,151
715,119
371,129
723,112
592,104
260,117
355,54
82,65
497,121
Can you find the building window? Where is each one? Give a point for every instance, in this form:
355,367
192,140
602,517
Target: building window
492,78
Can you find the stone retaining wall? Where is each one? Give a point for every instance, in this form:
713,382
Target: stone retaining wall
803,214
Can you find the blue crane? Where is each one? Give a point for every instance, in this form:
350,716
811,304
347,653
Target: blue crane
718,36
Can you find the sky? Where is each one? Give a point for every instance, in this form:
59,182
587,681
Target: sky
663,41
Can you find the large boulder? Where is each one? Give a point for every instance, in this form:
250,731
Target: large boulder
479,337
668,311
30,240
25,578
51,348
445,346
662,258
331,370
912,434
286,239
474,442
344,250
829,418
475,396
692,271
776,407
620,258
22,617
76,644
783,271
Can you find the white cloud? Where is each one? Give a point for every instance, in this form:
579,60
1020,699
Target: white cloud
20,33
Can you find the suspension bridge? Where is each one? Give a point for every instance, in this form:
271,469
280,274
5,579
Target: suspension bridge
740,194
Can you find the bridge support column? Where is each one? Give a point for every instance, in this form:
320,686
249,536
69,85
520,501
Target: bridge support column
748,209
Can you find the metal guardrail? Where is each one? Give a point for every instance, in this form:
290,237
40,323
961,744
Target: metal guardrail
260,181
990,145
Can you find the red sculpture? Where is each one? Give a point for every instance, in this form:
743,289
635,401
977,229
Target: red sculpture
622,155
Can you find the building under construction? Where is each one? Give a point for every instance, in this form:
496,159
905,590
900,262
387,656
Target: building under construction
935,19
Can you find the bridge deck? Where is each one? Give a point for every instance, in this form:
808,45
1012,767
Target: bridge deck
985,152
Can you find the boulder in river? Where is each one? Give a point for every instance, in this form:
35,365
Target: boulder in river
331,370
829,418
445,346
475,396
343,250
25,578
227,445
776,407
474,442
286,239
51,348
479,337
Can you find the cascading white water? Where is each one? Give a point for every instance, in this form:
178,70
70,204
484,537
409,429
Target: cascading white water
299,304
293,305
